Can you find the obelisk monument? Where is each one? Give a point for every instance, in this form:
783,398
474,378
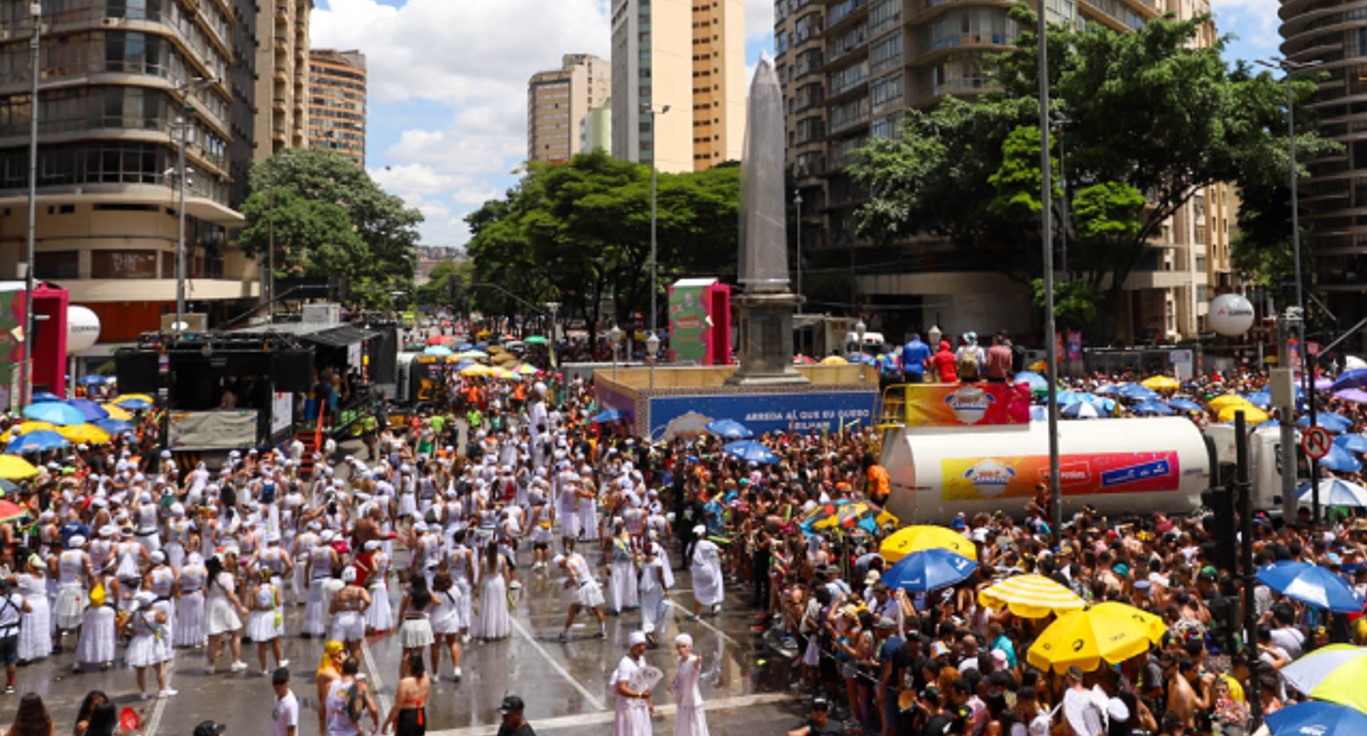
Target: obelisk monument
767,305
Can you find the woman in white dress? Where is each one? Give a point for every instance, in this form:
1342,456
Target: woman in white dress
379,617
189,630
35,631
73,570
446,623
493,622
622,582
709,587
145,625
691,720
656,580
266,619
222,608
633,707
96,642
321,561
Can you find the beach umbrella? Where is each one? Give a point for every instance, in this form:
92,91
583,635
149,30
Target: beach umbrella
1350,379
114,426
475,370
1082,410
1252,414
1334,673
89,409
609,415
803,360
1336,423
1030,596
1039,413
1137,392
729,429
1184,404
1313,718
1352,442
1106,389
536,340
929,569
441,340
40,397
1335,492
1153,408
1310,584
1353,363
440,351
9,511
1111,632
54,412
1340,460
27,427
473,355
1355,395
117,412
39,441
833,360
8,487
13,467
135,404
93,379
1161,383
84,433
904,541
1039,385
527,369
750,451
1260,399
1223,401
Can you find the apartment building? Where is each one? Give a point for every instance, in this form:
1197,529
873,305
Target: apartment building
558,101
337,102
685,61
850,68
282,83
117,82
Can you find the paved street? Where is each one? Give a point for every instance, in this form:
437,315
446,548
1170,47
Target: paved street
565,685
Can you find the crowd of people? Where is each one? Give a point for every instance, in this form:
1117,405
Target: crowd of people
429,535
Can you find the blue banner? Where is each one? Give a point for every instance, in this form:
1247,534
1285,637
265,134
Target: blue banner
813,411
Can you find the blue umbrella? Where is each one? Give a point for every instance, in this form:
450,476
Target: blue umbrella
928,570
38,440
465,346
1350,379
1335,492
1034,380
1260,399
1184,404
113,426
750,451
134,405
54,412
89,409
93,379
1082,410
1108,389
441,351
729,429
1136,392
862,357
1317,717
464,364
609,415
1352,442
1311,584
1153,408
1336,423
1340,460
7,486
1039,413
45,396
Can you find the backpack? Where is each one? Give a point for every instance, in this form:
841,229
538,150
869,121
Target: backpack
355,703
967,367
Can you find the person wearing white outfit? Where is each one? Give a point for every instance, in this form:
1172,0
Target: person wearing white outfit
73,567
265,622
35,633
96,642
623,586
709,586
691,720
190,631
348,612
446,622
380,616
321,561
656,580
633,707
222,607
145,625
493,621
585,590
161,581
12,610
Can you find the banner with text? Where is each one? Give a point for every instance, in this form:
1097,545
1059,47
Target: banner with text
812,411
1016,477
213,430
966,404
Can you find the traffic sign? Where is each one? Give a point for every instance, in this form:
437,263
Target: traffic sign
1316,442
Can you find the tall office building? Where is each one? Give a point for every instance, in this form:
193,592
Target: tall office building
595,129
687,56
116,80
849,70
557,102
282,79
337,102
1331,36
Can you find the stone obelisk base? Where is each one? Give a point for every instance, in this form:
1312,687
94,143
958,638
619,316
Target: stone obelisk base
766,340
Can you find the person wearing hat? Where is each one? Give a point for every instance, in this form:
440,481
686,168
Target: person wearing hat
145,626
35,633
691,719
634,708
514,724
818,722
321,560
709,583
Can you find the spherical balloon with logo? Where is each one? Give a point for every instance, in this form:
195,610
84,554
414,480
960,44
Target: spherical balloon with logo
1231,314
82,328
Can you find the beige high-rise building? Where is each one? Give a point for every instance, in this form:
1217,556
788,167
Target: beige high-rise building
337,102
685,60
557,102
282,76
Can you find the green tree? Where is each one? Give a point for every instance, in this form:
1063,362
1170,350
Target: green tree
446,286
327,217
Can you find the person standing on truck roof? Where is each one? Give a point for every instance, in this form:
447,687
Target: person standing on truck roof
999,359
942,363
914,356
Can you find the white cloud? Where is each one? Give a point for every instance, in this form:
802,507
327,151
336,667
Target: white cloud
759,19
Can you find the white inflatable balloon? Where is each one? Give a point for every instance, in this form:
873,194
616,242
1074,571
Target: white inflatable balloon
1231,314
82,329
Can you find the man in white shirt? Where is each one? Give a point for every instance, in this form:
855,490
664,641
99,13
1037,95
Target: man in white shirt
1034,720
285,715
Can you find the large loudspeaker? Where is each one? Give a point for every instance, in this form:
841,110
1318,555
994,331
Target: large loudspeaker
292,371
137,372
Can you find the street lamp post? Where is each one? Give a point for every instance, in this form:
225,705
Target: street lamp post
31,232
615,336
553,307
797,202
1047,242
654,267
652,350
859,330
183,123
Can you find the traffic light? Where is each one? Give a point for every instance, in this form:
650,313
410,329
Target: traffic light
1222,526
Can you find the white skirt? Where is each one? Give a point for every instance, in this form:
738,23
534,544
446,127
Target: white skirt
166,642
690,720
708,584
98,639
589,594
190,620
222,618
143,651
348,626
622,587
175,555
69,611
261,626
313,612
493,621
416,633
35,633
380,615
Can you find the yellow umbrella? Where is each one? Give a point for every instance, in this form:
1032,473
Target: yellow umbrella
916,538
526,369
1220,402
1113,632
27,427
508,375
1161,383
1252,414
130,397
833,360
87,433
16,468
1030,596
475,370
117,412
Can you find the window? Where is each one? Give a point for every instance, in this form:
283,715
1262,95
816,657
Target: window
62,264
123,264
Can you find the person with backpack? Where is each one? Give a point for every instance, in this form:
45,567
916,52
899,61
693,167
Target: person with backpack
348,701
970,359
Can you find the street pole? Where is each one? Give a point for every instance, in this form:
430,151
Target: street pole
1285,328
654,266
270,259
31,232
1244,499
797,201
553,307
1063,186
178,328
1046,236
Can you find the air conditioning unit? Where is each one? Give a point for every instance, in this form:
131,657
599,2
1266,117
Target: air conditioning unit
111,22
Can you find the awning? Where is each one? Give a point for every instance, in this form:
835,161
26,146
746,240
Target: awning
339,337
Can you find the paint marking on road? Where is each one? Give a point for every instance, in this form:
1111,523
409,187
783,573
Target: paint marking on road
699,621
154,722
666,710
595,701
376,684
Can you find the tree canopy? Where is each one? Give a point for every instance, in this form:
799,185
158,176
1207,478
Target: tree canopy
579,231
330,219
1144,122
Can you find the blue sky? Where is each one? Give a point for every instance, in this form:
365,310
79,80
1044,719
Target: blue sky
447,84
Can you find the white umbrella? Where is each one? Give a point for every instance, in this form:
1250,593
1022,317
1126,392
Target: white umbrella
1336,492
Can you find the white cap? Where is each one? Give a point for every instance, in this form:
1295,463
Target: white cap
637,637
